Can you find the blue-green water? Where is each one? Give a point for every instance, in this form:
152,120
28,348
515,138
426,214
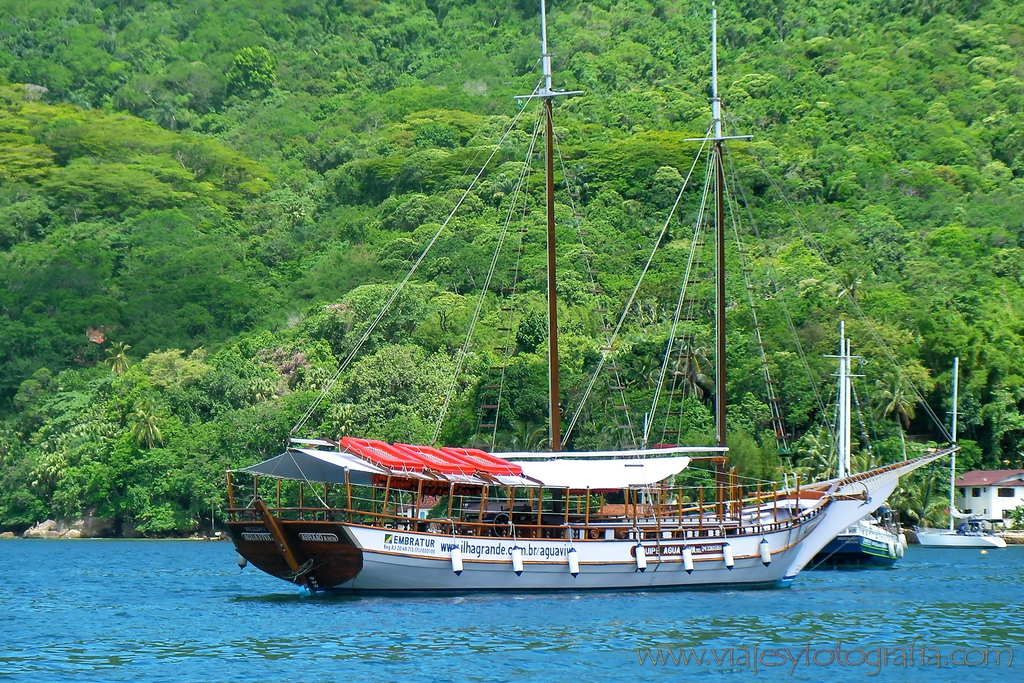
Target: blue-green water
182,611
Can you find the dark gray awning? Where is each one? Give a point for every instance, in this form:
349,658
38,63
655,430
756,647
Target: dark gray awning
310,465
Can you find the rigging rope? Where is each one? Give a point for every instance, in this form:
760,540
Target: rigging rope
632,295
463,351
779,292
872,329
311,410
694,249
774,407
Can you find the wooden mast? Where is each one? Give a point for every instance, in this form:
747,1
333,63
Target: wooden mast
716,115
718,163
547,95
554,408
719,294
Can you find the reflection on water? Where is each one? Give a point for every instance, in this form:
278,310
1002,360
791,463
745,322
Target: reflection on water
182,611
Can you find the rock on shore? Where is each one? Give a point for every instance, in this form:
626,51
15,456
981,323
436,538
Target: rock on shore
86,526
1013,537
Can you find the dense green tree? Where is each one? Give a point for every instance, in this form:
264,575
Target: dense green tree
253,71
233,190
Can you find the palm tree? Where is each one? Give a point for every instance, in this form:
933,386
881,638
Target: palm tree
147,423
922,497
343,417
849,282
117,358
526,437
693,368
816,454
894,396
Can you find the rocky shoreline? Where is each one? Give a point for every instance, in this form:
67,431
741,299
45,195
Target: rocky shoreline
88,526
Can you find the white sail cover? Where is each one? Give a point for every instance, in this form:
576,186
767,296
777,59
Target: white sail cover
571,471
602,474
304,464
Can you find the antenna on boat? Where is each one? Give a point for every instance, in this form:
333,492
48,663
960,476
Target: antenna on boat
547,94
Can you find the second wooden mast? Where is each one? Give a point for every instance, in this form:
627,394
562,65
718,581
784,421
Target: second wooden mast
719,170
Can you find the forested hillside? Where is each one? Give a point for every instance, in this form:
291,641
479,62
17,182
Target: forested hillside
204,204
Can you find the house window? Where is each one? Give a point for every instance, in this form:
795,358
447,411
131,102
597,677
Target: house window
1007,514
1005,493
963,492
976,492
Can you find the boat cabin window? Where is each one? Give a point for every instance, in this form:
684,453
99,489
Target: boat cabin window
975,492
1005,493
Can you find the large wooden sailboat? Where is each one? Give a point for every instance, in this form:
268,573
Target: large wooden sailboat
379,517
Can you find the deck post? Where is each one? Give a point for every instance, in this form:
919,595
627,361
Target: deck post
483,504
797,494
679,501
775,502
387,491
419,500
586,516
700,509
348,494
231,494
540,510
759,501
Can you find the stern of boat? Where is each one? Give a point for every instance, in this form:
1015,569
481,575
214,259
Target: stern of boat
316,554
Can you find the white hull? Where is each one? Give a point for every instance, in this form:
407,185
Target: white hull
603,564
767,545
951,539
413,562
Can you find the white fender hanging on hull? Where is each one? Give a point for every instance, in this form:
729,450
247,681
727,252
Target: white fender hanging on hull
688,559
517,560
641,558
766,552
574,563
457,561
727,556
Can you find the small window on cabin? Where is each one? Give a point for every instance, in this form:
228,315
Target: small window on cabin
1005,493
975,492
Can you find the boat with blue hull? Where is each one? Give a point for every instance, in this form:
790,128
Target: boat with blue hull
874,542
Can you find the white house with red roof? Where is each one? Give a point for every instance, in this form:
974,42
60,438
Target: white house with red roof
990,494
